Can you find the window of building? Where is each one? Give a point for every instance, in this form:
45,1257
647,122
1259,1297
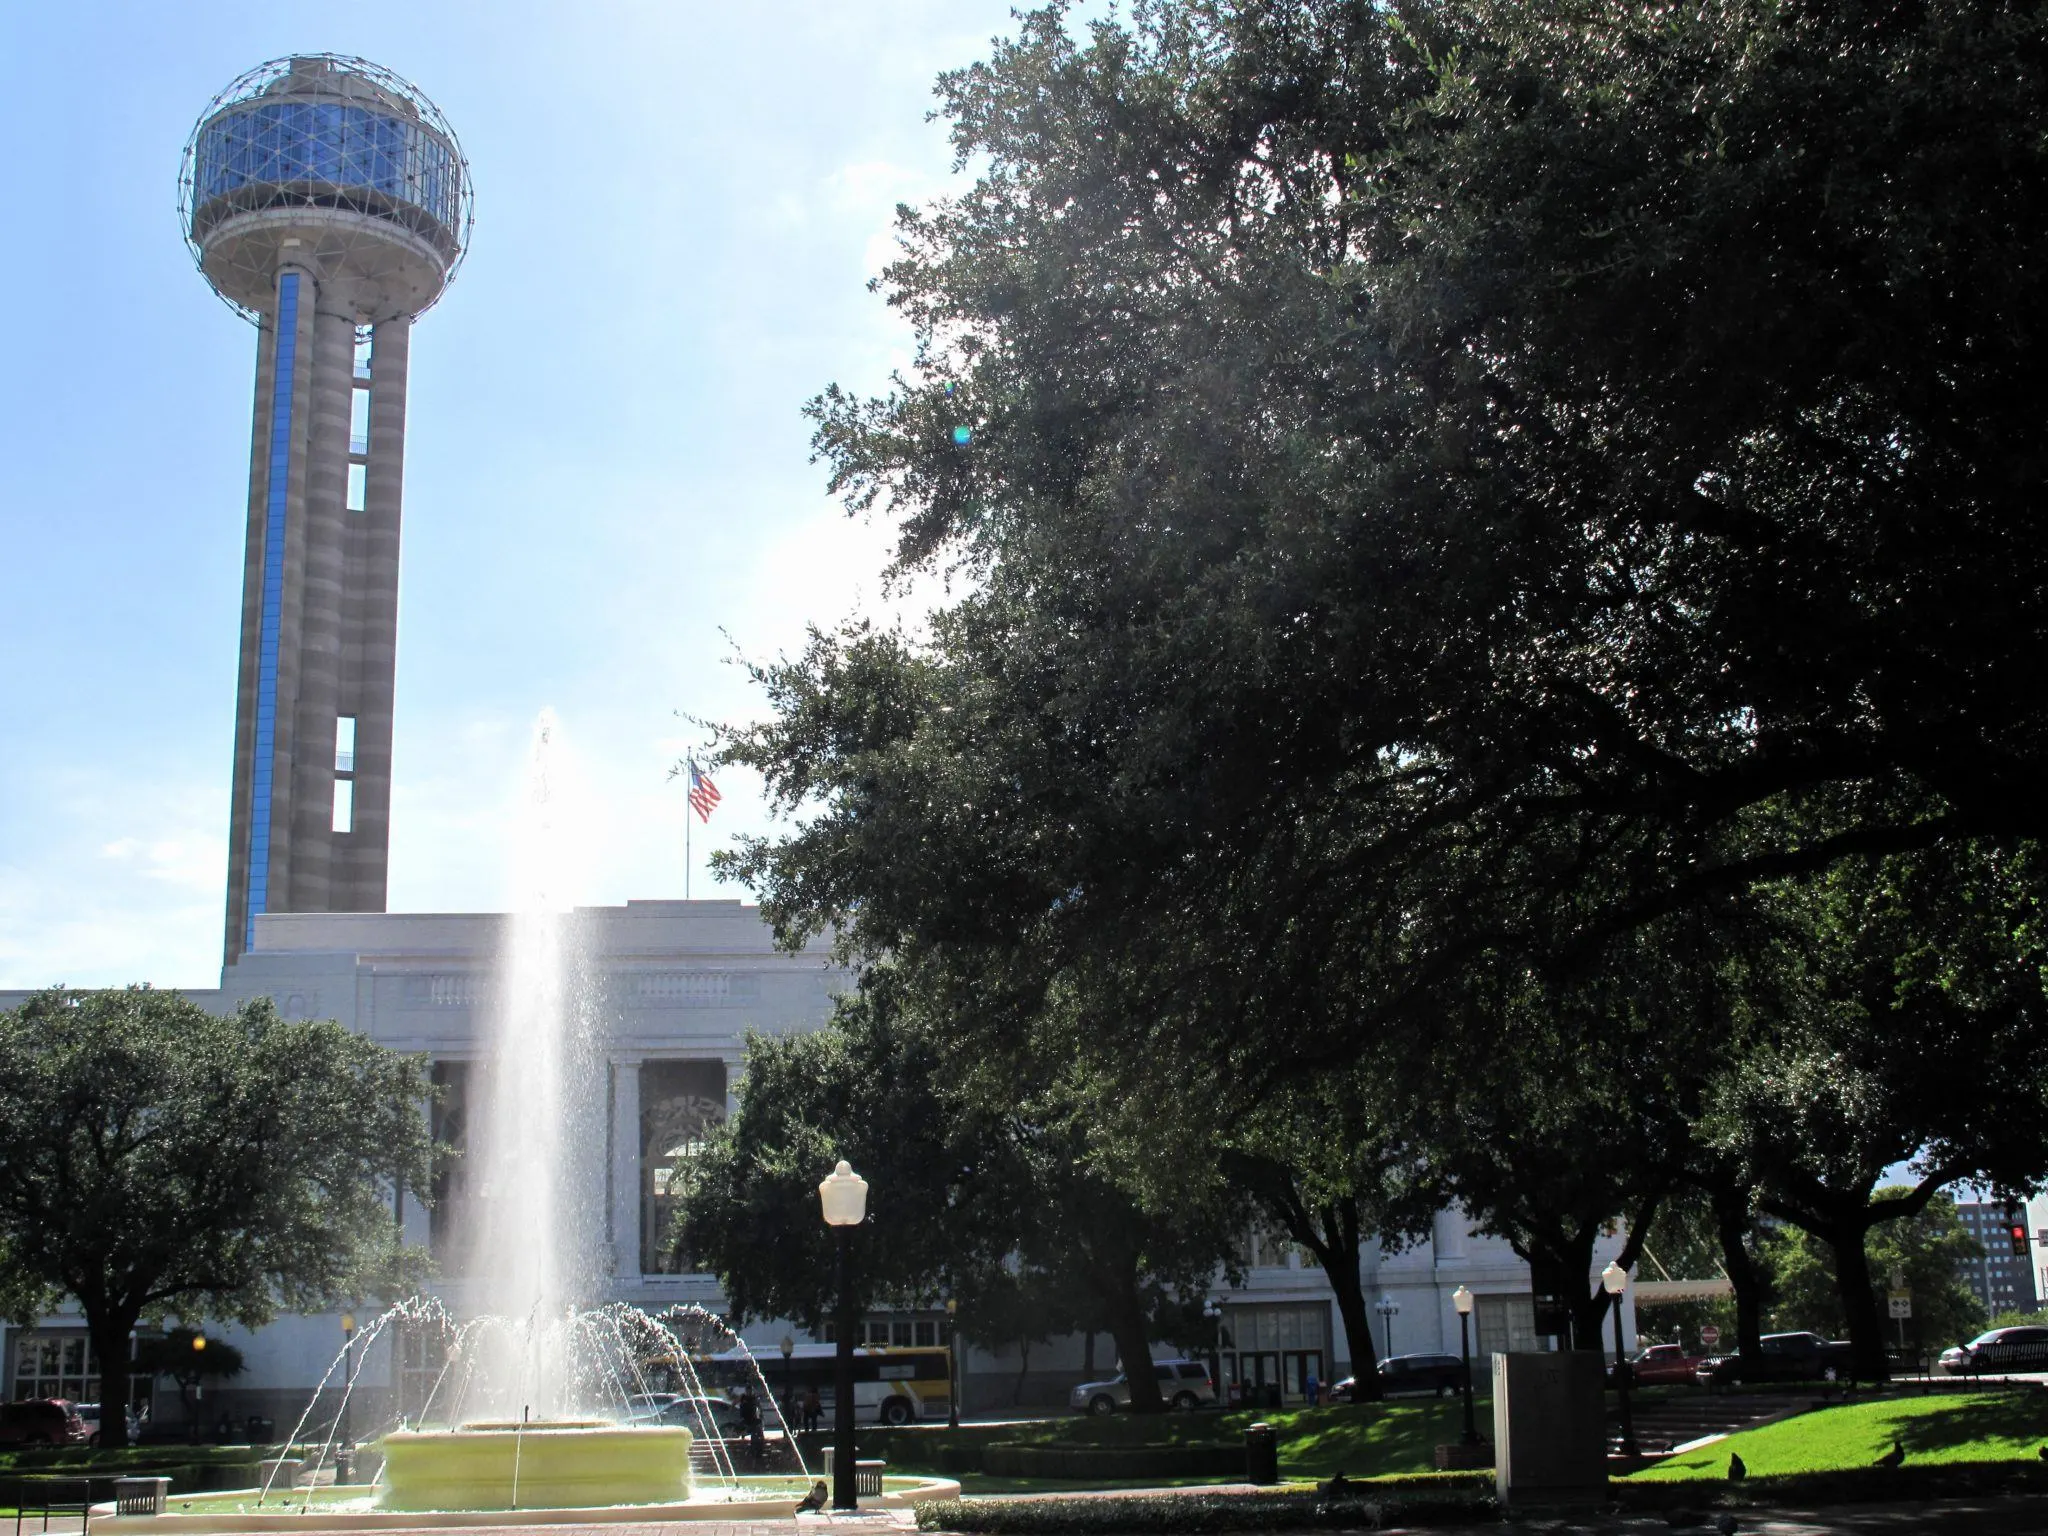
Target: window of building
362,369
50,1363
449,1222
1505,1324
344,773
358,484
679,1100
359,421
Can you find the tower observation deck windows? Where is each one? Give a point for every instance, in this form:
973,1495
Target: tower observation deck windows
358,486
359,421
266,154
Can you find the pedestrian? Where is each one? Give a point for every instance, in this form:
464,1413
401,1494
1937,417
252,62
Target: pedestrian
814,1408
750,1422
1312,1389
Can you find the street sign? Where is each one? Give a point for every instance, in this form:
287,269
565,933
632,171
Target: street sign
1710,1335
1902,1304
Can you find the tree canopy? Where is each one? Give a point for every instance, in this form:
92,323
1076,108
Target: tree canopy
165,1161
1495,546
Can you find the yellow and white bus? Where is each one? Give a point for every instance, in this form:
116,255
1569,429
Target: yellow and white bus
892,1384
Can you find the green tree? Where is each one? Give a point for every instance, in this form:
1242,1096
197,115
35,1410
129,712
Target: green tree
160,1159
1927,1249
189,1358
966,1185
1899,1021
868,1089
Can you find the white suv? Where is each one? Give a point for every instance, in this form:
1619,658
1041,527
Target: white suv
1184,1384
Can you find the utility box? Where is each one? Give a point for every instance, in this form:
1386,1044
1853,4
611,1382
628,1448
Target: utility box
1549,1431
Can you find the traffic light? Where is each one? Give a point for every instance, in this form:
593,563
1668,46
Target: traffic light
2016,1230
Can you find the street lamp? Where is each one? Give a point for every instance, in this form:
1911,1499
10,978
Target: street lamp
1462,1300
788,1348
955,1377
1614,1280
1388,1309
1212,1309
844,1196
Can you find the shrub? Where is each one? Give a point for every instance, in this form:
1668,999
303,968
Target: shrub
1204,1514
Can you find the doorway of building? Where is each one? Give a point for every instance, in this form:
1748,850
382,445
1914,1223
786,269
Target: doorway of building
1302,1364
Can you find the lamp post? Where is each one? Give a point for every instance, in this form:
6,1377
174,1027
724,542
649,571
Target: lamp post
956,1378
1212,1309
344,1454
844,1196
1388,1309
1614,1280
1462,1300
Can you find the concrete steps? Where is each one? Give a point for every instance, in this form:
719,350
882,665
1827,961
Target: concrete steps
1663,1424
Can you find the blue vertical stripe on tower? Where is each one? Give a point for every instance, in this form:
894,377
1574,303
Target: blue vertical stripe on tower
276,501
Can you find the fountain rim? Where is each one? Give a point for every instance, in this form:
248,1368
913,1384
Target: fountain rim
920,1490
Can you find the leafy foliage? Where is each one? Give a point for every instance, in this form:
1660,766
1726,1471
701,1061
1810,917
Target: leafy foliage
161,1159
1928,1249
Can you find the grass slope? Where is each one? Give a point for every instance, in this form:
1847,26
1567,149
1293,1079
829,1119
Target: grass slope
1370,1440
1951,1428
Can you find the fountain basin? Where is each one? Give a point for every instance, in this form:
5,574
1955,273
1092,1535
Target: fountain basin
557,1465
329,1510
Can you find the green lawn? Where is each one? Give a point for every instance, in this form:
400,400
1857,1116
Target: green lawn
1948,1428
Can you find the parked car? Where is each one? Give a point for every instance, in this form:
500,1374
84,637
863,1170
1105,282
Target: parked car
41,1421
1657,1364
692,1413
1418,1373
1184,1384
2002,1349
1785,1357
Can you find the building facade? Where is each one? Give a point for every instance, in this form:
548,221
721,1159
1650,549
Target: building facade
2002,1279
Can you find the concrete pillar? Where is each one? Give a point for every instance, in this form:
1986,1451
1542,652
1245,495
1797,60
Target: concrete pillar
272,610
626,1169
318,698
370,626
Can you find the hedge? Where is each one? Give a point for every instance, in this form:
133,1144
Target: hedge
1200,1514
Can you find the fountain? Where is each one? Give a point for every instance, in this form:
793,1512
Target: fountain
540,1405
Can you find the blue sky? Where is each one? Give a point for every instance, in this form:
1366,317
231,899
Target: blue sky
678,208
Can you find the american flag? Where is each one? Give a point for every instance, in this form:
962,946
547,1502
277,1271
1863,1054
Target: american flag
703,793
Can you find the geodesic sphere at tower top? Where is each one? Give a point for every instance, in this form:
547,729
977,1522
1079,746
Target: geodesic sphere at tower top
332,164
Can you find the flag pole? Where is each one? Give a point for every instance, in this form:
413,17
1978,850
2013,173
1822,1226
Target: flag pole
686,848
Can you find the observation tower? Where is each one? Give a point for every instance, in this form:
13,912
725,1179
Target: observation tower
327,201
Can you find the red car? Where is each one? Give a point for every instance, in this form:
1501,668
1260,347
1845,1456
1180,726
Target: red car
1655,1364
41,1421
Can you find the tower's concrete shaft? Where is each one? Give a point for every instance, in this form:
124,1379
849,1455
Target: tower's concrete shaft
327,201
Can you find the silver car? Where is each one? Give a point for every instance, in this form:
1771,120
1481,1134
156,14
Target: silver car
1184,1384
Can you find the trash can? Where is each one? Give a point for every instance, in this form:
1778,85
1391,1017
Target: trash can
1262,1454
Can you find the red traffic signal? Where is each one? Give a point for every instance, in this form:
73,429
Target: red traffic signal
2018,1233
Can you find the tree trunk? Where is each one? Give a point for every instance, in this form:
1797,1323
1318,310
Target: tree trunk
1088,1354
1349,1292
1732,1220
1024,1369
1859,1302
1128,1326
110,1330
